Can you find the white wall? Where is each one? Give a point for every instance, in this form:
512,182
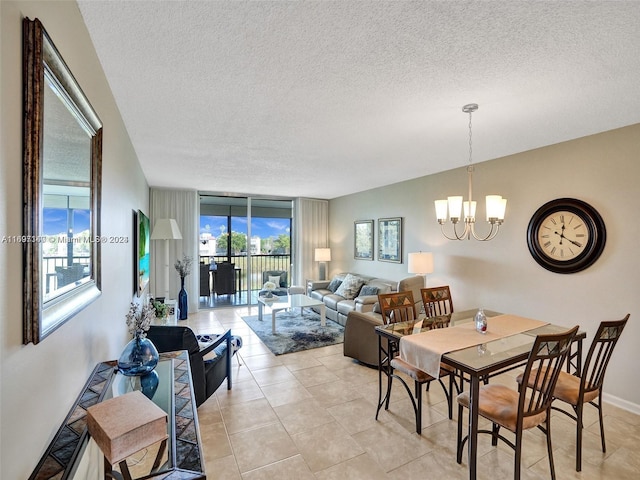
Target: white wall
40,383
602,170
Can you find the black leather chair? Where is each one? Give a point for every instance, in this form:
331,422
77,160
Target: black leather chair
224,279
206,375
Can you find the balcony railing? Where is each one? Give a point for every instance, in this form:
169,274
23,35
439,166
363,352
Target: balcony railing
259,264
49,264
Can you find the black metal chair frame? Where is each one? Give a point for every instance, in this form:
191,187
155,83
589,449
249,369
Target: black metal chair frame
543,367
592,378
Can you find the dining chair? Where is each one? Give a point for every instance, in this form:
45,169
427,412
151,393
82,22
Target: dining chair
400,307
224,279
437,301
586,388
397,307
527,408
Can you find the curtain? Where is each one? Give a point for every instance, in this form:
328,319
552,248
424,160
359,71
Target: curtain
183,206
311,231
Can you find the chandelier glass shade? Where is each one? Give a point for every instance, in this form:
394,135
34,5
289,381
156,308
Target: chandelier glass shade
456,206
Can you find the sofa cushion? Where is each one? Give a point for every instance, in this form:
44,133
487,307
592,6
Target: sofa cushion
369,290
346,306
334,284
331,301
350,287
320,293
384,286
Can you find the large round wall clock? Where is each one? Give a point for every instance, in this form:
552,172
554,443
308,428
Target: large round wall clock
566,235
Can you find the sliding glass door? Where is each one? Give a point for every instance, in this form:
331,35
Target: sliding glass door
252,234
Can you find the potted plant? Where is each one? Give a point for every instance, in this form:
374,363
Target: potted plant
160,308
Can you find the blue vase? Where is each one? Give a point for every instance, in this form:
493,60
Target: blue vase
182,301
139,357
149,384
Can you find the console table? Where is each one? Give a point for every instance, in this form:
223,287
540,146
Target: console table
74,455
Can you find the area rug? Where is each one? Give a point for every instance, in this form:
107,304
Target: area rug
295,332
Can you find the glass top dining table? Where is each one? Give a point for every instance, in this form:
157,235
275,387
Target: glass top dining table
479,361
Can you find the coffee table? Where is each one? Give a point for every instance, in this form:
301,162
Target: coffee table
277,304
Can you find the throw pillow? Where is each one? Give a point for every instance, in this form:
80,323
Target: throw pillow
350,287
369,290
275,280
376,308
334,284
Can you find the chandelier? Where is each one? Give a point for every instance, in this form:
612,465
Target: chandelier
495,204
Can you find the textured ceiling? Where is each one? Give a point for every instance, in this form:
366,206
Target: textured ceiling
322,99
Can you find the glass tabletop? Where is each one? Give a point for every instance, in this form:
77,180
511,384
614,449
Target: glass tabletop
424,324
290,301
477,357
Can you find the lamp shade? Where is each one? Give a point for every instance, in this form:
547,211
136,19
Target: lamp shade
166,229
323,255
421,263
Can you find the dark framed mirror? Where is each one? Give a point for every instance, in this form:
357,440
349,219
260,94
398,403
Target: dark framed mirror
62,168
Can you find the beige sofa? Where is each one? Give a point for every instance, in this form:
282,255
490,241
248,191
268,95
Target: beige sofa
338,307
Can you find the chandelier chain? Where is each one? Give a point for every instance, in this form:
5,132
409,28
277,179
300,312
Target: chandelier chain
470,147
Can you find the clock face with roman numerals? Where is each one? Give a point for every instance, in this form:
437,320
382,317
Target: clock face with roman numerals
566,235
563,235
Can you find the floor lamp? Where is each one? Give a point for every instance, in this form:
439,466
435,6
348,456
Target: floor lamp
323,255
421,263
166,229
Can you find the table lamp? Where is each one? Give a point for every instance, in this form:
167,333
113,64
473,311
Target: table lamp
323,255
421,263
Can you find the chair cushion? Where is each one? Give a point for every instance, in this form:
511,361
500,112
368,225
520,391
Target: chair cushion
204,339
567,389
415,373
500,405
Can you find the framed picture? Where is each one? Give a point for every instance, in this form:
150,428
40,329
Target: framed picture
142,249
390,240
363,240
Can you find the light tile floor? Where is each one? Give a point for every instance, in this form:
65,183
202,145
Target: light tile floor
310,415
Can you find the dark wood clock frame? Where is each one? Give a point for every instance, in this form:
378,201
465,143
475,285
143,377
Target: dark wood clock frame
593,248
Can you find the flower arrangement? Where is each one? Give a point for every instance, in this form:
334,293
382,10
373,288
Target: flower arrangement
139,319
269,286
183,267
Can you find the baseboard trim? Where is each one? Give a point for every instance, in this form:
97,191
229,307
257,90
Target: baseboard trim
619,402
